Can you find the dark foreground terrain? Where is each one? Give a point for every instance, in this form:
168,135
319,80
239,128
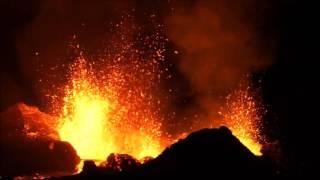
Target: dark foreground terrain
28,147
207,153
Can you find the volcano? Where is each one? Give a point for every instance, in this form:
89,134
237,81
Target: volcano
156,89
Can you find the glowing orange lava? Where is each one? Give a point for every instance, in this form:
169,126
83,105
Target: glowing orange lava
242,115
113,113
101,115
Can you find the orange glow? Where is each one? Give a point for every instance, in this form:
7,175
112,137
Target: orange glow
242,115
114,114
102,115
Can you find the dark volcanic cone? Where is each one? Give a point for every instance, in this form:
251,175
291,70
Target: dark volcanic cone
208,153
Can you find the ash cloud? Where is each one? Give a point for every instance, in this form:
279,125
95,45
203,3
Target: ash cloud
219,43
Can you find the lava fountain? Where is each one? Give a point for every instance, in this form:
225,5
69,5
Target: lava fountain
242,114
114,113
85,115
113,105
101,115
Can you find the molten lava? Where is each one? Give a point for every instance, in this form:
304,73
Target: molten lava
85,114
242,115
114,113
113,105
102,115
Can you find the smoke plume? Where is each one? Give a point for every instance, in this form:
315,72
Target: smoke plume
219,43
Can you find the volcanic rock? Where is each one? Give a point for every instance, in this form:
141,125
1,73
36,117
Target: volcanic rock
207,153
29,145
121,162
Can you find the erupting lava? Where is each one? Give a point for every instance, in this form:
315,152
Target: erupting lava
242,115
85,115
101,115
114,113
113,105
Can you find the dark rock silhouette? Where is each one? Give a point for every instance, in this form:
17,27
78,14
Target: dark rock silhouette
28,144
208,153
121,162
27,157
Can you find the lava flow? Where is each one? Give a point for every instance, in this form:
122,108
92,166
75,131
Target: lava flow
101,115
